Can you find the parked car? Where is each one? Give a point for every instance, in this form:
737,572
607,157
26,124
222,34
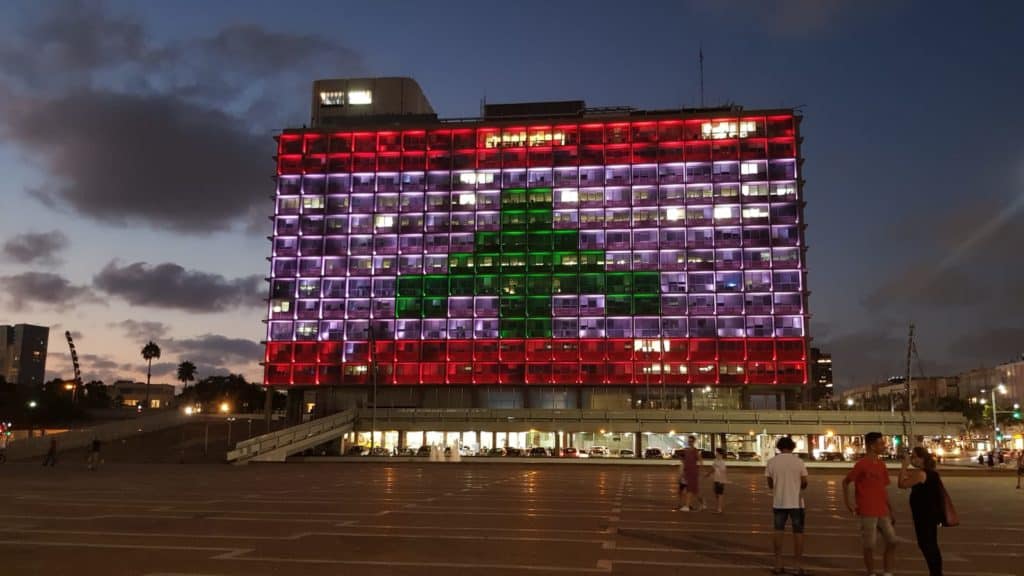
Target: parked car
653,453
496,452
513,451
570,453
830,456
626,453
538,451
355,450
748,456
423,450
707,454
678,453
598,451
380,451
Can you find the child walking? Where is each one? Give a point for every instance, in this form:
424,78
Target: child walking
719,478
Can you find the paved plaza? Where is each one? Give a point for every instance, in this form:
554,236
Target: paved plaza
450,518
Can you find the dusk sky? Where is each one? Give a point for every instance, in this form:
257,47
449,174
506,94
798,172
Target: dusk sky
136,145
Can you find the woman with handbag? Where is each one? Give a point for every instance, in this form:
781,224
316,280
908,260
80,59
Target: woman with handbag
927,504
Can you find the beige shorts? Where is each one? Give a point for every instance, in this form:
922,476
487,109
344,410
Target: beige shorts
871,526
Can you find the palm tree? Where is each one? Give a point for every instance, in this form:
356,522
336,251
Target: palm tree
186,373
149,351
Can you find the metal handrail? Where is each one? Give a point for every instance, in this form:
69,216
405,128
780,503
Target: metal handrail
282,438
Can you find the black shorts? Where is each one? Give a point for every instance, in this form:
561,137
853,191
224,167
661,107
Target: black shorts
719,488
780,515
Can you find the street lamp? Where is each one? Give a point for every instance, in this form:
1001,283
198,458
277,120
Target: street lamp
995,414
849,403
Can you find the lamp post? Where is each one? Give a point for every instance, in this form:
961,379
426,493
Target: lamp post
995,414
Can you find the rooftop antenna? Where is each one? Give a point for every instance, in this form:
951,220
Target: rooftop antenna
700,58
908,427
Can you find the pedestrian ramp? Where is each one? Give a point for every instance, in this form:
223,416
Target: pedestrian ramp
278,446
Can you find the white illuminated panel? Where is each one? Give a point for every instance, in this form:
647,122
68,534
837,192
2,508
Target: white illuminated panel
360,97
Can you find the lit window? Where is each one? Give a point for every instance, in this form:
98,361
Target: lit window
755,213
749,168
332,98
570,196
722,212
384,221
476,178
725,129
360,97
674,214
467,199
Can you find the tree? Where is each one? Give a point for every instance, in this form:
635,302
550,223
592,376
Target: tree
149,351
186,373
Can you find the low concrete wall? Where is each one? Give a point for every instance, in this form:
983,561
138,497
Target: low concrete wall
107,432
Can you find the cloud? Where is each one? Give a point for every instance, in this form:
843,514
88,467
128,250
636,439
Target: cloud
990,346
44,288
865,357
922,286
130,132
215,350
169,285
74,40
144,330
31,247
177,166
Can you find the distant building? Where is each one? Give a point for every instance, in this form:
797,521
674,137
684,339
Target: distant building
129,393
926,392
23,353
1010,374
821,387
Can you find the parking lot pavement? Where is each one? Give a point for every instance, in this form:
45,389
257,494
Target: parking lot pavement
449,518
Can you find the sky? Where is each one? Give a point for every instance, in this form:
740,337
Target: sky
136,145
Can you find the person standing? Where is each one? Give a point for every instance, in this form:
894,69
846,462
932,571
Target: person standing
719,478
51,454
1020,467
786,475
94,455
871,480
926,504
689,475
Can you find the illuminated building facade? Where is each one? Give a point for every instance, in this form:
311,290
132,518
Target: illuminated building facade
541,245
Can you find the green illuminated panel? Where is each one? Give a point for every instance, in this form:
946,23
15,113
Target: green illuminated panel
435,285
619,305
538,328
410,286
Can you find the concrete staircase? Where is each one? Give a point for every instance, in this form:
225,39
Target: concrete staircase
278,446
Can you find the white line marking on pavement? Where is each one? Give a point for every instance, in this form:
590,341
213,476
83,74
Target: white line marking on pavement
762,568
468,565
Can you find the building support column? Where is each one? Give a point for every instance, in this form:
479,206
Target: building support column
638,440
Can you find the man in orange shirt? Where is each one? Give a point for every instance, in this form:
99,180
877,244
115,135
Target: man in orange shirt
870,478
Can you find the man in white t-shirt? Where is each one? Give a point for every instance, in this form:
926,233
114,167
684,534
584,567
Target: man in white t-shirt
787,479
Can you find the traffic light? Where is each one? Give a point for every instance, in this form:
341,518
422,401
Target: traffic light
1016,414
